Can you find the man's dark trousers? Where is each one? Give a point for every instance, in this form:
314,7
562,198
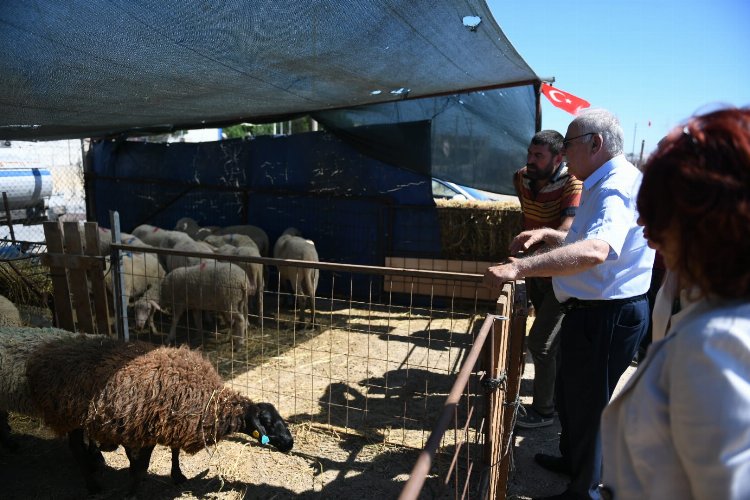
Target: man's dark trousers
597,344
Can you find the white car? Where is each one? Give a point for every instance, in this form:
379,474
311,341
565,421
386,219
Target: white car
446,190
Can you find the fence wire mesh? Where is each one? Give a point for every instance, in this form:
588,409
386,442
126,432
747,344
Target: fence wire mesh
363,374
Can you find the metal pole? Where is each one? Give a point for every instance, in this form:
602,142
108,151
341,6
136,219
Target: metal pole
422,467
640,159
9,217
118,280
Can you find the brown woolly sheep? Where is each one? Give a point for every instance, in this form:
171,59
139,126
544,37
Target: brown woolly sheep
138,396
16,346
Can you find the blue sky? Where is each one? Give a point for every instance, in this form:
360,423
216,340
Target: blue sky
657,60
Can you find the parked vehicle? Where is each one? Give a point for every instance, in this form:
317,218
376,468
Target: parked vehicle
26,190
446,190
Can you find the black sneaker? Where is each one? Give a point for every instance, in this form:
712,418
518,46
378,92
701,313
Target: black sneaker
529,418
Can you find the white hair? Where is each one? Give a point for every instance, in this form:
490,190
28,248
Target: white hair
603,122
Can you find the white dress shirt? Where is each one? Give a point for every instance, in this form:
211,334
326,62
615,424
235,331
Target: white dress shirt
608,212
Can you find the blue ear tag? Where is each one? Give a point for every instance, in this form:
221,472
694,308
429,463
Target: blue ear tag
264,439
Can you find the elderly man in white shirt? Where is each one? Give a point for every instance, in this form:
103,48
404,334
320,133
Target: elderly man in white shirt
601,271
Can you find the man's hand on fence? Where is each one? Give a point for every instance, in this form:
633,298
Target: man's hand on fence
495,276
527,240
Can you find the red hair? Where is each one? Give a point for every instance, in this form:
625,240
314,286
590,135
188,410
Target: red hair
697,183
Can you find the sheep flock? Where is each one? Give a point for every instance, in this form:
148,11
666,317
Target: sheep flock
204,282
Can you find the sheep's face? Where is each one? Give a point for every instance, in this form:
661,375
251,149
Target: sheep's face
268,423
143,311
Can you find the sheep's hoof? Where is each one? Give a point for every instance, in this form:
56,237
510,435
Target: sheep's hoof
178,477
96,461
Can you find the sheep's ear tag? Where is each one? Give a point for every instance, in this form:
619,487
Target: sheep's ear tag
263,440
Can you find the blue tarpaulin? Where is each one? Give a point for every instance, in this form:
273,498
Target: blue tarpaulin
355,208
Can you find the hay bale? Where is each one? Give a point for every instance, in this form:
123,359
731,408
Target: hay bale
25,281
479,230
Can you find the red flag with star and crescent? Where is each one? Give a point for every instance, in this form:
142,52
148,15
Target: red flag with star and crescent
564,100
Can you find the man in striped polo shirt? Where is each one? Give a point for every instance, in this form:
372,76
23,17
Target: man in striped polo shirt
549,196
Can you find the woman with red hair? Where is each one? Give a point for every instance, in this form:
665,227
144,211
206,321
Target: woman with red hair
681,427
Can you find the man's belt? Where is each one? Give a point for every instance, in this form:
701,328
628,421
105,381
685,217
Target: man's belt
574,303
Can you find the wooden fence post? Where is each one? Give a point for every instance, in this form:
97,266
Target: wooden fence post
77,273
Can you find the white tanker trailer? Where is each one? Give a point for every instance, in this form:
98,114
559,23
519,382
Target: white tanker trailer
27,190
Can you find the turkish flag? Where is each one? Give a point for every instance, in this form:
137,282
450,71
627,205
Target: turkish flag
564,100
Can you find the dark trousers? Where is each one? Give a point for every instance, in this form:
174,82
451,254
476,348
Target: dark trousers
543,341
597,344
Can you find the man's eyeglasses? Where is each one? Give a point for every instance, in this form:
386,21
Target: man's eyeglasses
567,141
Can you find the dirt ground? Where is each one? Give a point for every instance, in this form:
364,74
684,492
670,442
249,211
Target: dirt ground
392,365
321,383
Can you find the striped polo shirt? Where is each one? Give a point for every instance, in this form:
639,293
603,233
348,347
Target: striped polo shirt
557,199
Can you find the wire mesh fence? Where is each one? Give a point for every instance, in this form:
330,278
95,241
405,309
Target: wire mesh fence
365,374
372,368
381,361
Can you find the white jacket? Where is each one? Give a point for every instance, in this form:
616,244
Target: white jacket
680,428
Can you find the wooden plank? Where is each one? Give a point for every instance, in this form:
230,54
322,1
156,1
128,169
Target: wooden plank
73,262
61,293
77,279
498,427
514,363
96,278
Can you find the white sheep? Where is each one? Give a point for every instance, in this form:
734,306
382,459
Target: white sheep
175,261
146,306
151,235
158,237
234,239
142,275
209,286
257,234
303,280
254,270
140,272
192,229
105,240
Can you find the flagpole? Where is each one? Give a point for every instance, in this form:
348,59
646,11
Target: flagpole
640,159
